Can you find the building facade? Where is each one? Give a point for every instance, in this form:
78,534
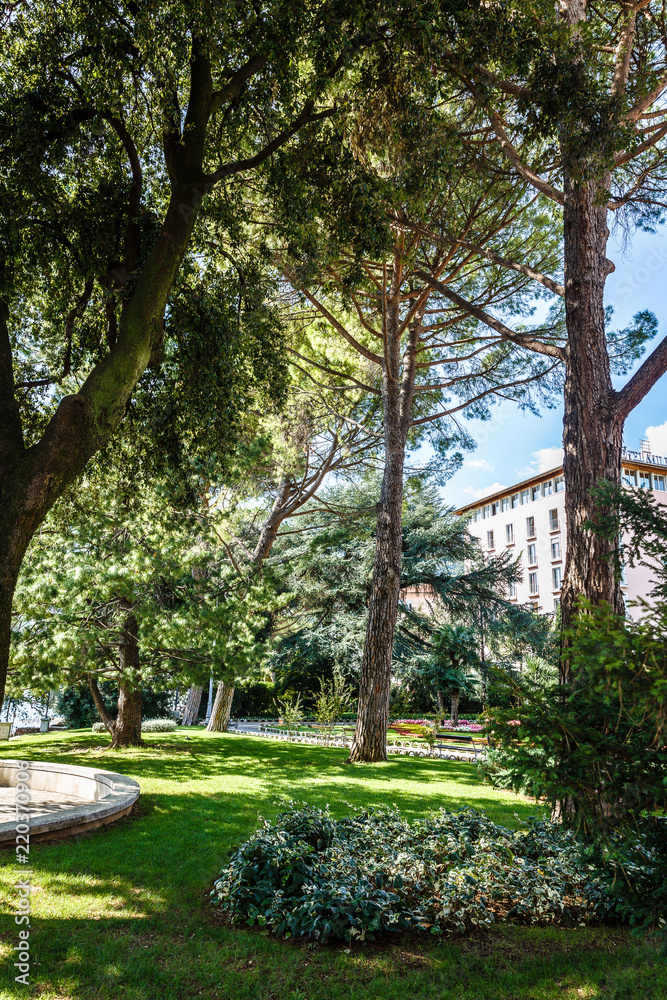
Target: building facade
528,520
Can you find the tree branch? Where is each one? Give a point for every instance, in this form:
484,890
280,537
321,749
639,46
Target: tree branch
339,328
646,376
306,117
231,90
11,431
521,339
526,172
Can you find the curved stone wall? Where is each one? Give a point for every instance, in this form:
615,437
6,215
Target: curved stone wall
63,799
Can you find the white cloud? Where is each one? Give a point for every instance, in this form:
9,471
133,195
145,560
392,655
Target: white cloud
486,491
478,463
542,460
658,438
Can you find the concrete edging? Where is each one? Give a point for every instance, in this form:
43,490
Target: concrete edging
109,797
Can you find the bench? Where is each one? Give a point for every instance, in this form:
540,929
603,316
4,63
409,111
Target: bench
459,741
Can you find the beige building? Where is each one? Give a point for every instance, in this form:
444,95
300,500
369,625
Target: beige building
528,520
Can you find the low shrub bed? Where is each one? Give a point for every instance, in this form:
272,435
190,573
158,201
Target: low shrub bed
147,726
308,875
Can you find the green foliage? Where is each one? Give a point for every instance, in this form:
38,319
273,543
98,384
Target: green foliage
291,712
596,749
333,700
120,539
310,875
253,698
329,565
76,705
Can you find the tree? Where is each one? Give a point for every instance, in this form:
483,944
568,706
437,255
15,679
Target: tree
449,671
572,95
121,585
322,628
128,134
421,356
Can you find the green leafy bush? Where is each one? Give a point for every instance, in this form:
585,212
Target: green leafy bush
309,875
596,749
98,727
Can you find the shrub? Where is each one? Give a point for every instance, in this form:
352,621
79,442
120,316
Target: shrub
595,749
308,875
158,726
98,727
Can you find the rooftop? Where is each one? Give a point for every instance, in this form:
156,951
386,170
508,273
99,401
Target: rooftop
643,457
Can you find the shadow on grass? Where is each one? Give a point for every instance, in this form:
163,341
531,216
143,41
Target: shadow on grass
124,910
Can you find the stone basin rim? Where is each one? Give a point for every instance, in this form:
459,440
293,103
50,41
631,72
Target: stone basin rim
103,796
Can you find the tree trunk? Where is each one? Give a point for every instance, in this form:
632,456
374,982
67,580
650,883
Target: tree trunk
105,715
221,709
592,423
441,703
271,525
370,738
456,697
127,727
191,710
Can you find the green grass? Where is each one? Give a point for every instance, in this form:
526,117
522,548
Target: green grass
123,912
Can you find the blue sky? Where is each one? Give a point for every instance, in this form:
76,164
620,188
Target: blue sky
512,445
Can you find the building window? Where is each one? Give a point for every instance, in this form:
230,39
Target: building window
489,539
645,480
559,483
658,482
630,477
515,500
555,549
553,520
530,527
556,603
556,576
532,555
509,531
547,489
525,496
486,511
475,515
532,583
535,493
505,504
512,589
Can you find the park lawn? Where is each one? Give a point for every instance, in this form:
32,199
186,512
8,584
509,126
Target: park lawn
123,912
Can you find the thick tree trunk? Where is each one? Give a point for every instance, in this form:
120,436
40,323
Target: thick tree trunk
592,422
191,710
370,738
441,702
456,697
221,709
127,727
105,715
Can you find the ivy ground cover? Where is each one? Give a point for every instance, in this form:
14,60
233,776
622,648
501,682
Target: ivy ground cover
125,911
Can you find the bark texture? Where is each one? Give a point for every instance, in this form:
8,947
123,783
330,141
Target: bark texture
370,738
592,426
222,707
127,727
456,698
192,703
